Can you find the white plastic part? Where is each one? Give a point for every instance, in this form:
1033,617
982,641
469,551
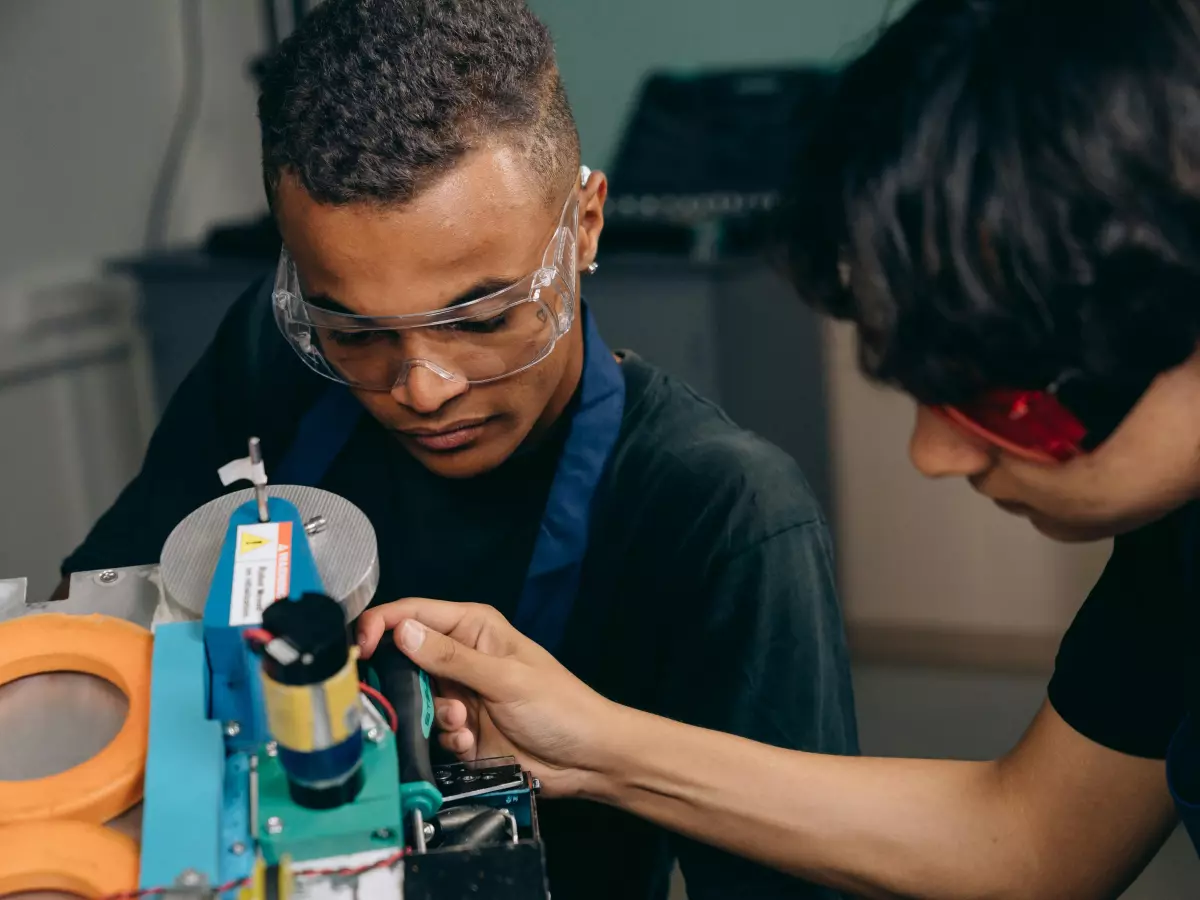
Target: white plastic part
243,470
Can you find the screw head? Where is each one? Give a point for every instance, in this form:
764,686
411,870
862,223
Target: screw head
238,848
374,735
272,748
315,525
274,825
108,576
232,729
190,878
383,834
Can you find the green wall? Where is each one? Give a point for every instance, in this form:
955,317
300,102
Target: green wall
605,47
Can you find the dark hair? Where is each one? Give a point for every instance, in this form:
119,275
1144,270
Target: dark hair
369,101
1006,191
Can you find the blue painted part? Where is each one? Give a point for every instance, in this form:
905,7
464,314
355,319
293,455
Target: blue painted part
518,801
185,763
235,692
235,820
326,765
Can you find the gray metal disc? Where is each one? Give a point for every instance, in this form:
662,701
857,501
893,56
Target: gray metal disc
345,548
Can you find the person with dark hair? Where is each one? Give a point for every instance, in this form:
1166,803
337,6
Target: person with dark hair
423,350
1004,198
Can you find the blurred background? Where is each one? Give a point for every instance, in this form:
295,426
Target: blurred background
134,215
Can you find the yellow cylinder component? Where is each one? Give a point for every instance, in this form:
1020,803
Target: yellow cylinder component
313,717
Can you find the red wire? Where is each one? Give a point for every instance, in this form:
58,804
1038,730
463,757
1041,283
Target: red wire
299,873
382,701
262,636
258,635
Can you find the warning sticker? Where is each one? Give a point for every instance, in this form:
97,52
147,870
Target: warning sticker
262,570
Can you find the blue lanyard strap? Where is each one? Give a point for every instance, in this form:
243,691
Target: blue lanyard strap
552,580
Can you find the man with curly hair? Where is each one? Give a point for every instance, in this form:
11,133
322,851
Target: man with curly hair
422,349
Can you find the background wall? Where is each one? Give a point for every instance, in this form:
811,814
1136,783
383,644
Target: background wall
88,96
604,49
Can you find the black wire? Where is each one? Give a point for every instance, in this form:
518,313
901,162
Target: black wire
158,221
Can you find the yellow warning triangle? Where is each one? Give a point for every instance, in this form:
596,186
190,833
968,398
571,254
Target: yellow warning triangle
253,542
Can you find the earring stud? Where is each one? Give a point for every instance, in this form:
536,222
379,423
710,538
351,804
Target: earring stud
591,270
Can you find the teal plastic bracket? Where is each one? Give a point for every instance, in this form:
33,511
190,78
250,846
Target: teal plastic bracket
420,796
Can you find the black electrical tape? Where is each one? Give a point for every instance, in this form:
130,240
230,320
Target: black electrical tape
271,883
405,687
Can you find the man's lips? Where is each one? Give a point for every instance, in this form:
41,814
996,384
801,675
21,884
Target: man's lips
450,437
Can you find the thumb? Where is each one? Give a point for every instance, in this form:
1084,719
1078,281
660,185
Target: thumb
444,657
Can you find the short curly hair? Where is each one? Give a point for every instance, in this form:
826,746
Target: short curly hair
1007,191
370,101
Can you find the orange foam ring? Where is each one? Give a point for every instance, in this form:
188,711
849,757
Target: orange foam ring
110,782
62,855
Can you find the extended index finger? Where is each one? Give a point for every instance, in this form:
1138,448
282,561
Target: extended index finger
443,616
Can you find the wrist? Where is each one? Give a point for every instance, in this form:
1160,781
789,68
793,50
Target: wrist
615,750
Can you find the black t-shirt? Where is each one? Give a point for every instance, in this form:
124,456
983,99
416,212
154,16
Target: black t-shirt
707,591
1127,671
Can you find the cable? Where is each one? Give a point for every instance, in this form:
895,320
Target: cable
158,220
382,701
348,872
258,635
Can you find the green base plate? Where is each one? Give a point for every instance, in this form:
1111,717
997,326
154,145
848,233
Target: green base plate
371,822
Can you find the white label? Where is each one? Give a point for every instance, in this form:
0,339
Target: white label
262,570
384,882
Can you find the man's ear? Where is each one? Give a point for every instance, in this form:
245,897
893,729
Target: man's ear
591,217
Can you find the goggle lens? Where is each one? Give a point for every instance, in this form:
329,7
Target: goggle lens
1033,425
475,350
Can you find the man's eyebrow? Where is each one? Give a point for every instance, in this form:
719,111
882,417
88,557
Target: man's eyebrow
478,291
327,303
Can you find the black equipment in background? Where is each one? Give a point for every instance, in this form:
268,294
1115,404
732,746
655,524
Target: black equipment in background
705,157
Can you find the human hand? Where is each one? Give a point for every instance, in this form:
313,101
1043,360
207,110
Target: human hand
499,693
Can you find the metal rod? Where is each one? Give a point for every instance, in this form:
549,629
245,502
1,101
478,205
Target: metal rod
418,821
254,797
260,490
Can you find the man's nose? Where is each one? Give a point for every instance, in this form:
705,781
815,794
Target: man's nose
424,391
938,449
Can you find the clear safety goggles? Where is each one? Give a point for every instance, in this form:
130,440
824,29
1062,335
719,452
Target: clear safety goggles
483,340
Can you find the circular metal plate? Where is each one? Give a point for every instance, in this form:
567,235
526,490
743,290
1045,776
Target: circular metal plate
345,548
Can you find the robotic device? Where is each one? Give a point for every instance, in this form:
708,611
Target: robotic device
277,764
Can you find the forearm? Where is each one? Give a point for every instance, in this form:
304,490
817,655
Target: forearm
876,827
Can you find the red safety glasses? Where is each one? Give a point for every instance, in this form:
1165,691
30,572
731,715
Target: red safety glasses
1033,425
